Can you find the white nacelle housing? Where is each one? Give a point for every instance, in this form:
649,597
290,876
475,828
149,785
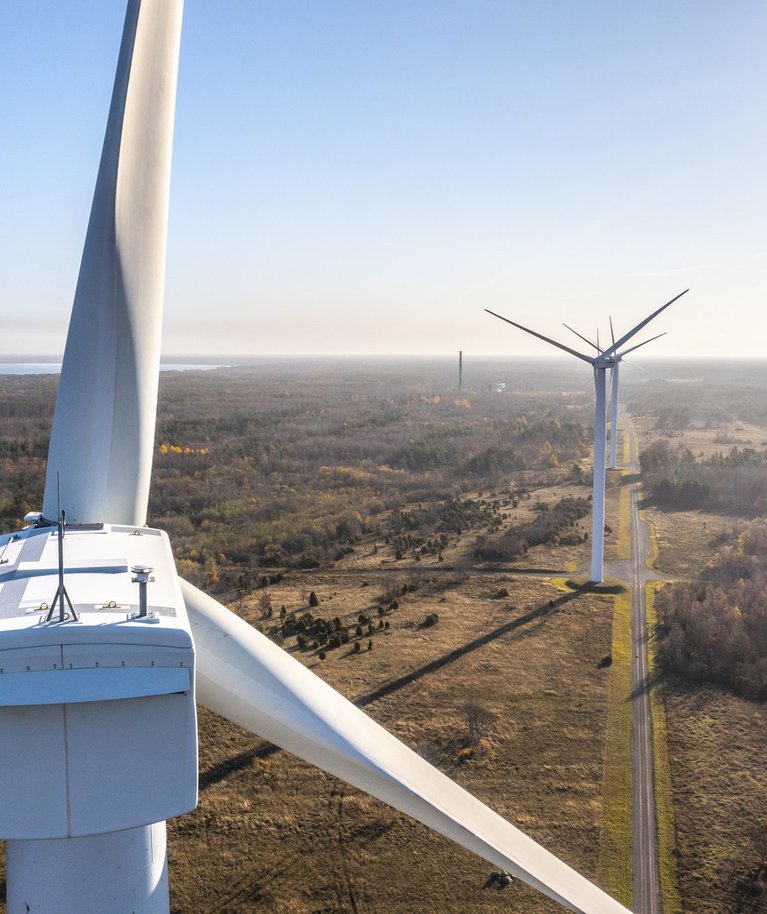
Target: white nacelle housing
98,726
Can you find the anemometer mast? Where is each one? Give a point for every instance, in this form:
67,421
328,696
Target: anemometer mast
62,596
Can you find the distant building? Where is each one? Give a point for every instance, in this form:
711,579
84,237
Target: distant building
498,388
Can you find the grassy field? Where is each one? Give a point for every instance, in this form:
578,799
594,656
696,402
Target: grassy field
615,869
664,796
717,745
686,538
273,834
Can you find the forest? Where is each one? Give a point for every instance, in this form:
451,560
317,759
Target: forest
715,628
287,464
734,480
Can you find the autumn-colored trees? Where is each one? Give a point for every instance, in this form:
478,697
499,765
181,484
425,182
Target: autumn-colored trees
715,630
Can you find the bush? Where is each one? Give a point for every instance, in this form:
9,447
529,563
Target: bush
430,620
313,601
478,721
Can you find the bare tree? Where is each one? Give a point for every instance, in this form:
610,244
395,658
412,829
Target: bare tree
265,606
478,721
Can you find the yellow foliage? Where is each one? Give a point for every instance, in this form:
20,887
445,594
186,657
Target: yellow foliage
166,448
385,468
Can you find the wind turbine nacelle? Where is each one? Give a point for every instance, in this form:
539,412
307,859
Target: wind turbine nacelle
98,729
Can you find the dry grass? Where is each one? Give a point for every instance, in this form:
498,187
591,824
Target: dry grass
274,835
717,746
664,799
615,869
685,539
703,442
618,544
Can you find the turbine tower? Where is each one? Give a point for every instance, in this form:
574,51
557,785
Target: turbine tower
101,697
604,359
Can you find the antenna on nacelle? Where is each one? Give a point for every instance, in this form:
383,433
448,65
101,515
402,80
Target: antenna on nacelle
61,591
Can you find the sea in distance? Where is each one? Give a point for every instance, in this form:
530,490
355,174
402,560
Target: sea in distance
44,367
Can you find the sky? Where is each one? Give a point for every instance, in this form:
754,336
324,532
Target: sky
366,176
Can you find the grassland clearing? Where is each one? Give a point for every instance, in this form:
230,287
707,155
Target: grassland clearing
274,834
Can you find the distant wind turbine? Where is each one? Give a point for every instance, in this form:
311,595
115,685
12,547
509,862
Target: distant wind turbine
604,359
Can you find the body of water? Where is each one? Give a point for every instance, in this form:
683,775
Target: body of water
55,367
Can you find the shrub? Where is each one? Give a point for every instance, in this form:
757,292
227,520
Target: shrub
478,721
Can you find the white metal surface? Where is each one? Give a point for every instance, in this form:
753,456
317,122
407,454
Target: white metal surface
104,705
122,873
599,476
242,675
52,687
103,426
614,381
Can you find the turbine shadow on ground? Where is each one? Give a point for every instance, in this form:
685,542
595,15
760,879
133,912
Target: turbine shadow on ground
230,766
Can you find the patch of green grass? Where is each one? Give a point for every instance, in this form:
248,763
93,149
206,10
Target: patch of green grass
664,801
614,868
652,558
623,546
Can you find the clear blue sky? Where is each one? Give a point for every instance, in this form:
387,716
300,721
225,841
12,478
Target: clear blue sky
366,177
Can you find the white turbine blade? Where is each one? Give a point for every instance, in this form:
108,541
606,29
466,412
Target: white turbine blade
246,678
580,355
627,336
581,337
639,345
103,426
612,332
